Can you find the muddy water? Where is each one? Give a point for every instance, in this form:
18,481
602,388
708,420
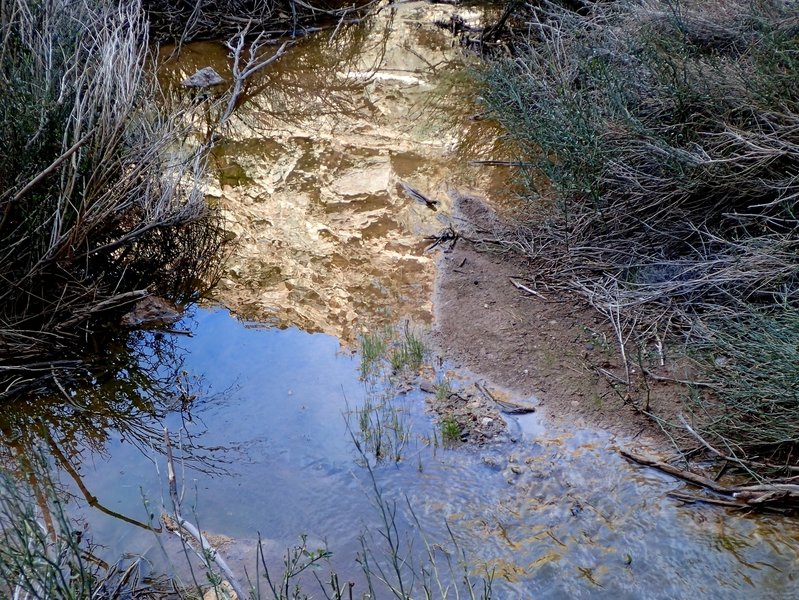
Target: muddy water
326,244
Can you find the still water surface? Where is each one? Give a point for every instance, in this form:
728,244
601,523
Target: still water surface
327,244
578,521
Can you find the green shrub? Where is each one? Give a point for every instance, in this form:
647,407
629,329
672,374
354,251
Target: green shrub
661,144
750,362
668,134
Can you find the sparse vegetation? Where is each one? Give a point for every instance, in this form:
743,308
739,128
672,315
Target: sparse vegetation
659,142
407,352
373,346
383,425
390,358
400,349
42,555
450,430
443,390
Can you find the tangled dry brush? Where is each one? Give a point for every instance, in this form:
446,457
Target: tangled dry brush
100,202
668,135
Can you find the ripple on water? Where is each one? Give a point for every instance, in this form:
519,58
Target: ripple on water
325,242
556,515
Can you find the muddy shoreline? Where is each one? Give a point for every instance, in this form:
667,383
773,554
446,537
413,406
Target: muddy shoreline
541,349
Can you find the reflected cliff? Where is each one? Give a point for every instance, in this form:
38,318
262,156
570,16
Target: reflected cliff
308,174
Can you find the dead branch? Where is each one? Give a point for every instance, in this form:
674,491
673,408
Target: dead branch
733,459
520,286
252,66
766,495
207,550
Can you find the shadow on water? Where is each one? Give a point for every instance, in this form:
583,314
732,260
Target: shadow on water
124,396
326,242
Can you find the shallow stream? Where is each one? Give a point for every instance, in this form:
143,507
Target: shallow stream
266,392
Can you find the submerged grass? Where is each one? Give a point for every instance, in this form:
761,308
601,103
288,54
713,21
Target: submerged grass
408,353
373,347
383,426
389,356
391,351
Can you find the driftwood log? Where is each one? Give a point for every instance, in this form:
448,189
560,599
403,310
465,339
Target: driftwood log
774,496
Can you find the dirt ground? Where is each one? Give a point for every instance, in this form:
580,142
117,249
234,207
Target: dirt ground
544,348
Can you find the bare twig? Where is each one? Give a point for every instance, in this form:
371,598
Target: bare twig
207,550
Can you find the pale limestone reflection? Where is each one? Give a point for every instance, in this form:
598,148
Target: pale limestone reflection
308,177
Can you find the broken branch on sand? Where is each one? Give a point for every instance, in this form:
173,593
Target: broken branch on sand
524,288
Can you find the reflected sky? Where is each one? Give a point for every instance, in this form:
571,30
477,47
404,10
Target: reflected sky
576,520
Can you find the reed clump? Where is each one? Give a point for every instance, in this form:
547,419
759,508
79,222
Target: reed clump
100,197
660,143
44,554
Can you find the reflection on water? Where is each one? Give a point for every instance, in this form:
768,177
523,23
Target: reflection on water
136,387
308,175
308,178
557,515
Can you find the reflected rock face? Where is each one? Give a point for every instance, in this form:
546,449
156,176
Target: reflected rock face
309,176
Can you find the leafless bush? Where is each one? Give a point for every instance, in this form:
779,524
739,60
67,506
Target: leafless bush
214,19
100,202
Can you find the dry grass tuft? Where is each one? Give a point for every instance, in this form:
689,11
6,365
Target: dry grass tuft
667,132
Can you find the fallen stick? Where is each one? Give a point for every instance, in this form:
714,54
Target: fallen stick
207,550
510,408
499,163
765,495
699,480
520,286
688,498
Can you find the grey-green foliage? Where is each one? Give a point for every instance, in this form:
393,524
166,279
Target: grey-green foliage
40,553
668,131
752,364
100,199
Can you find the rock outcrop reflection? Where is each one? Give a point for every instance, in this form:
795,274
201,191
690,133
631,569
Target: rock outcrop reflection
309,174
